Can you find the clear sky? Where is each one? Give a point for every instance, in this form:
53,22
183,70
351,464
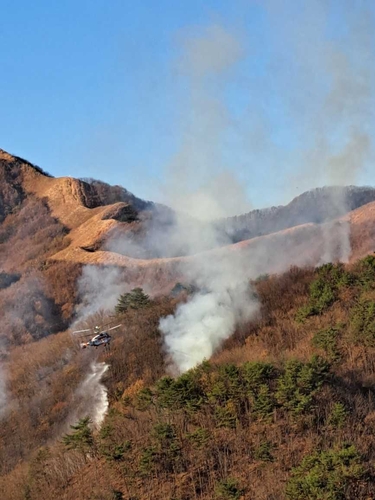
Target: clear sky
277,94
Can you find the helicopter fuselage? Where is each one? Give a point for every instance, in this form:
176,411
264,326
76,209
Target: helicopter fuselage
100,339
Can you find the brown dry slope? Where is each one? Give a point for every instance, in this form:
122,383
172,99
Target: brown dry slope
362,224
301,245
73,202
77,206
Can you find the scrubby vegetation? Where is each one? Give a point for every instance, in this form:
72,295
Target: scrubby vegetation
39,298
285,410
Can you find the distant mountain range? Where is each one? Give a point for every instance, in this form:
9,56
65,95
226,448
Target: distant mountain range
316,206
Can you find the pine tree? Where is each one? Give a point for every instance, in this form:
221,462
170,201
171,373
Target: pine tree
81,439
136,299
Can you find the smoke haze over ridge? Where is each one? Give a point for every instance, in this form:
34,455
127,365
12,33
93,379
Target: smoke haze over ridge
338,148
323,86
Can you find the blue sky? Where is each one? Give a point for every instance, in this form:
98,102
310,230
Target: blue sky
104,89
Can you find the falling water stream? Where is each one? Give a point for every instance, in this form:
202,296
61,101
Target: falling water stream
92,396
97,401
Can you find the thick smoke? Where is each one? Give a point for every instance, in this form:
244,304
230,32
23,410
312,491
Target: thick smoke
201,186
99,288
329,90
175,235
210,316
323,86
335,76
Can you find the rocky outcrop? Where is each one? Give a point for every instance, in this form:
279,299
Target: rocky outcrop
108,195
122,212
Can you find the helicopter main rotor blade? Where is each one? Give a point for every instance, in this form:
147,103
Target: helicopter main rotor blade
81,331
114,327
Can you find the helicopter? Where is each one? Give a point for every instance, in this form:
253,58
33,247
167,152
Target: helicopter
100,337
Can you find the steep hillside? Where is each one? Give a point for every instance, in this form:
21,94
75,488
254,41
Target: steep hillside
284,411
237,427
51,227
307,244
39,217
314,210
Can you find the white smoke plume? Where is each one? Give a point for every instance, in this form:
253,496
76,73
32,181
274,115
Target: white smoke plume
338,147
99,288
327,96
207,187
329,92
210,316
329,86
200,185
176,235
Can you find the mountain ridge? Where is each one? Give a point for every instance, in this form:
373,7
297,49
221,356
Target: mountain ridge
57,271
317,205
82,208
69,197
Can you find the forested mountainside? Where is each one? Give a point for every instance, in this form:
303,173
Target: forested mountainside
282,410
37,215
285,410
50,228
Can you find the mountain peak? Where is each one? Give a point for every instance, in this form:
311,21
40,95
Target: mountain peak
21,162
